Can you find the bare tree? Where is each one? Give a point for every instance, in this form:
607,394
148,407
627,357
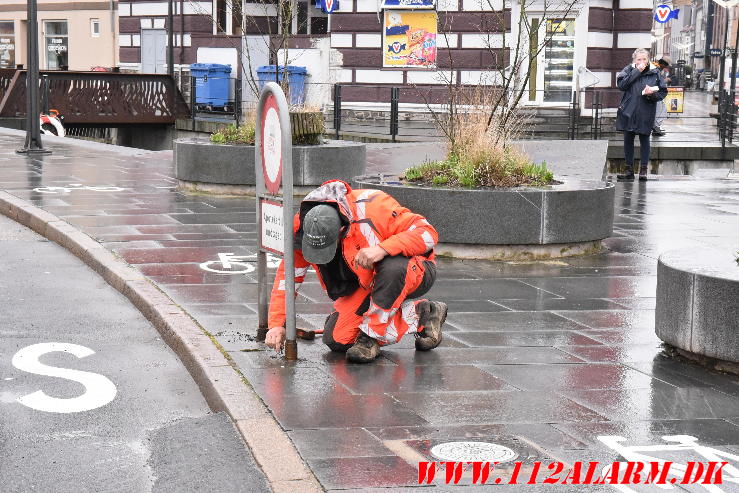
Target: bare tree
514,56
274,21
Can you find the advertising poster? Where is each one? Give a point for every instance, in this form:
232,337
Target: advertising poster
409,39
674,99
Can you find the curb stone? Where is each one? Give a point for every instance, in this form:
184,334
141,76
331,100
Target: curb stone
223,388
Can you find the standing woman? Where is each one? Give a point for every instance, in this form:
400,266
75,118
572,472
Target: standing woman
643,88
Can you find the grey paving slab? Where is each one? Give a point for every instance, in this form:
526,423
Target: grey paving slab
662,401
575,376
496,407
509,322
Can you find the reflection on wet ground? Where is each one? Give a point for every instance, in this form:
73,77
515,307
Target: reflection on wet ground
541,357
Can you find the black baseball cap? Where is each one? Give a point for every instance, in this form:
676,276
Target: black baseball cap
321,227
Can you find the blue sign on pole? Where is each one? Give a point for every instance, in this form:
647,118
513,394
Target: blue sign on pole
664,13
327,6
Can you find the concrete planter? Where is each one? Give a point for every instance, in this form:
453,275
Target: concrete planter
228,168
513,223
698,303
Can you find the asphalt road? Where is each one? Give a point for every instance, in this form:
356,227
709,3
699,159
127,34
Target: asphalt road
91,399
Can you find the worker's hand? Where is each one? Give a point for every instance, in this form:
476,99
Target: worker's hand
648,90
641,66
275,338
367,257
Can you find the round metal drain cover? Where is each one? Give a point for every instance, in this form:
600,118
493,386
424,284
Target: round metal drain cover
473,452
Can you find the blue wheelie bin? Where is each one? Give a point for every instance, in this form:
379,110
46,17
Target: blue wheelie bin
295,79
212,84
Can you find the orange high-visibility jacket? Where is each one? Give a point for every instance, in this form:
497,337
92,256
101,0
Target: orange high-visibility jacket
374,218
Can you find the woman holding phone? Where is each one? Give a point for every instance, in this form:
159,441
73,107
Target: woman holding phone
643,87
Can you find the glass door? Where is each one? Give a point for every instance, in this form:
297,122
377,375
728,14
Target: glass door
559,60
552,73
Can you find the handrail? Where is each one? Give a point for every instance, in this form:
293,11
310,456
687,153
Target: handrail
581,70
103,98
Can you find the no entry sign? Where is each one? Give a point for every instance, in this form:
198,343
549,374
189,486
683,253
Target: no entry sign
271,144
273,170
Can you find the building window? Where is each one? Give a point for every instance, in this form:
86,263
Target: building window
7,44
95,28
57,45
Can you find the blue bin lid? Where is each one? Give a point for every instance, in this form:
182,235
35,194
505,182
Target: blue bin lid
216,67
291,69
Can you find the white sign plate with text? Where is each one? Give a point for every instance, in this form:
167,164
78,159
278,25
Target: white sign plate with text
272,230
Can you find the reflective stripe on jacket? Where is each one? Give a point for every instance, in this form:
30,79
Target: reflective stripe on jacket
374,218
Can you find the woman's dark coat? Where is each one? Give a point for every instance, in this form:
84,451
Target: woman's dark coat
636,112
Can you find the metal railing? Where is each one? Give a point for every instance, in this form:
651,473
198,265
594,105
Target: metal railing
223,100
100,98
387,119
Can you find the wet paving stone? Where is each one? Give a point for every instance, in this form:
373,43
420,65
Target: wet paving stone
511,321
479,356
473,289
614,353
634,335
573,376
542,338
708,431
662,401
381,379
371,472
559,304
608,319
334,409
544,436
602,287
496,407
338,442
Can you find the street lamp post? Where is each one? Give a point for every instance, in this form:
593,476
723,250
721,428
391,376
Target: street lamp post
33,124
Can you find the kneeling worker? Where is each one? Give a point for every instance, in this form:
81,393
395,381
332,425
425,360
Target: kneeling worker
374,258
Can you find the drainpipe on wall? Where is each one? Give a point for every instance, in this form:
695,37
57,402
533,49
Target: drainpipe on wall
708,59
112,33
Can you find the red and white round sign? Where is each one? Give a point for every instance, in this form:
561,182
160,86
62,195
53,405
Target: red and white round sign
271,145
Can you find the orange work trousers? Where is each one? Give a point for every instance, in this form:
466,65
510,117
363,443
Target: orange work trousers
387,311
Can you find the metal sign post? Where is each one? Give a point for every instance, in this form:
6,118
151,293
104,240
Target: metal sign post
33,124
274,166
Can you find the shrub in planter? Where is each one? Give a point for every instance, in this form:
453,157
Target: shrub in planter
307,129
480,158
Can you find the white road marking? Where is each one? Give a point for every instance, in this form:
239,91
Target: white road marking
99,391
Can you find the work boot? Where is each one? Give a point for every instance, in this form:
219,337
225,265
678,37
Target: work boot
657,131
431,316
628,176
643,174
364,350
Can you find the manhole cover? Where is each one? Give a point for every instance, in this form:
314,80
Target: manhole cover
473,452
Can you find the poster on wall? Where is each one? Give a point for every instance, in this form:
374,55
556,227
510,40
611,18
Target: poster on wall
674,99
7,45
409,39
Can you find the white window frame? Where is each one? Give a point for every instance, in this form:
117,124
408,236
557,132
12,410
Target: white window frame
93,23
